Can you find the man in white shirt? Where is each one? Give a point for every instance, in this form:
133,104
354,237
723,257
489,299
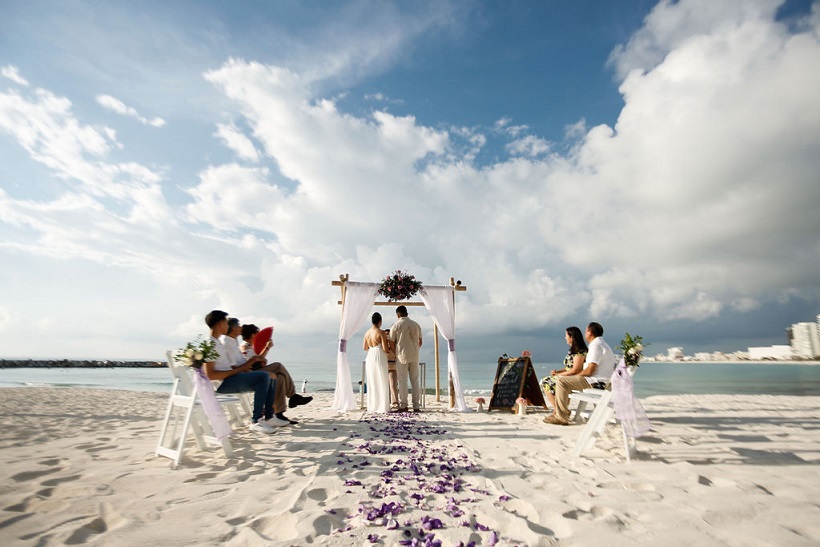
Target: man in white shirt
598,367
238,378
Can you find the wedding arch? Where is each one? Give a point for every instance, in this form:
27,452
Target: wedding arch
359,298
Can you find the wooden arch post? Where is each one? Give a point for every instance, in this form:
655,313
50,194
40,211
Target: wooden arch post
457,286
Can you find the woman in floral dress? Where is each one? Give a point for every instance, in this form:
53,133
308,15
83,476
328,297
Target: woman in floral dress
573,362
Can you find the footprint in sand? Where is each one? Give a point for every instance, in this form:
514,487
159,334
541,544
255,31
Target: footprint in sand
86,531
595,513
317,494
31,475
279,527
643,486
215,494
60,480
201,477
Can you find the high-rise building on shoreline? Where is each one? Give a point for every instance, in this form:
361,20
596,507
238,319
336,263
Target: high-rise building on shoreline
804,339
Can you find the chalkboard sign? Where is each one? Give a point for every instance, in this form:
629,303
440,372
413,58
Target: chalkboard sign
515,378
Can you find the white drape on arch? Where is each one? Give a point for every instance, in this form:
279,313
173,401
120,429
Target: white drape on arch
441,303
358,301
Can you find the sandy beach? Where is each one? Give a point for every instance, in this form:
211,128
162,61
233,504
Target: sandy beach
78,466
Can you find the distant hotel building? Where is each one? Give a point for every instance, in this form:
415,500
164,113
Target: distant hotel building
804,343
805,339
771,352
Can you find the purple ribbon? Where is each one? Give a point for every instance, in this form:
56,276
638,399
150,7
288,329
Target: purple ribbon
451,344
342,345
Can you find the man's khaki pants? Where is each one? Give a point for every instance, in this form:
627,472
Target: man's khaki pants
564,385
403,370
284,386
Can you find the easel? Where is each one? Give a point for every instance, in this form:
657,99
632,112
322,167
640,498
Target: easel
457,287
515,378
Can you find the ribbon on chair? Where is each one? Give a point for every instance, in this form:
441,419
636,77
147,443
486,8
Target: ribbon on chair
213,410
342,345
627,407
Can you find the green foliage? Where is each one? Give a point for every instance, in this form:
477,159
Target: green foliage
632,349
197,353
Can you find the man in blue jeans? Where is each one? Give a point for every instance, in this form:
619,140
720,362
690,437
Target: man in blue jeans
238,378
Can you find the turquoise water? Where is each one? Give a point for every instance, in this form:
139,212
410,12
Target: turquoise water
651,379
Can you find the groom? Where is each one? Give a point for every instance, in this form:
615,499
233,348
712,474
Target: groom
406,335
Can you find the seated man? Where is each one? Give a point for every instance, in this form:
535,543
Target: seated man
238,377
598,367
285,388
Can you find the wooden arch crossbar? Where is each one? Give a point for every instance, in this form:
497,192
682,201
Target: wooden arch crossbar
457,287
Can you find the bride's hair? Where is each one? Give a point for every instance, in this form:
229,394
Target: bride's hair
376,318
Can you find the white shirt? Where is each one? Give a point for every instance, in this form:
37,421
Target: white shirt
601,354
234,354
247,350
222,362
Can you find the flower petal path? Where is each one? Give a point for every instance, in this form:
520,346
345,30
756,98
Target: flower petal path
414,484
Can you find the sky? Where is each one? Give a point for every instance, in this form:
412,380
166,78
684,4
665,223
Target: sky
654,167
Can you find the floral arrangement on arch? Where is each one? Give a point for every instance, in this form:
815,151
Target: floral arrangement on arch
197,353
632,349
399,286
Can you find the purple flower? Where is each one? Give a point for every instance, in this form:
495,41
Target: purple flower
374,538
493,538
431,523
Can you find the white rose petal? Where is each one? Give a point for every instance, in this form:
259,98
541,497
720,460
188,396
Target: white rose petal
189,352
198,356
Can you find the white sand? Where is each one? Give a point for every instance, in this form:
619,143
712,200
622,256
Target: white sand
78,466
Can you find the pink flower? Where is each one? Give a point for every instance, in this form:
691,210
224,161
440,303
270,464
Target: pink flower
480,400
526,353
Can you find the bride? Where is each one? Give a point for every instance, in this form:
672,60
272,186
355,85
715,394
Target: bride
376,344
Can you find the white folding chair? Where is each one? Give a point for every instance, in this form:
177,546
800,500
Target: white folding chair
175,428
584,398
595,426
601,416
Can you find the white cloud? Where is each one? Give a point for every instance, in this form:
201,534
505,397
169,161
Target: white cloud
237,141
528,146
701,198
13,74
382,98
115,105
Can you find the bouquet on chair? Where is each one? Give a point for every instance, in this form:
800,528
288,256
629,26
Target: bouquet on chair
197,353
632,349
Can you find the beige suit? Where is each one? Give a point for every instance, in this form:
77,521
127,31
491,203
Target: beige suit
406,334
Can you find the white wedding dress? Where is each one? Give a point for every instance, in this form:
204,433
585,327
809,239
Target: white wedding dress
378,385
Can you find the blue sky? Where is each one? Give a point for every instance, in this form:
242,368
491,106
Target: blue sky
651,166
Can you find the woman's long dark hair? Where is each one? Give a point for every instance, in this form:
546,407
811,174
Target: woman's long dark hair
578,345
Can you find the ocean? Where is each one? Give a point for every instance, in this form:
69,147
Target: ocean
476,379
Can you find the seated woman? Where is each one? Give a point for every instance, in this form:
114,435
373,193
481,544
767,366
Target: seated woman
573,362
285,395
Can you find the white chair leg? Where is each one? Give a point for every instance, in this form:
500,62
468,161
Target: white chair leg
595,425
